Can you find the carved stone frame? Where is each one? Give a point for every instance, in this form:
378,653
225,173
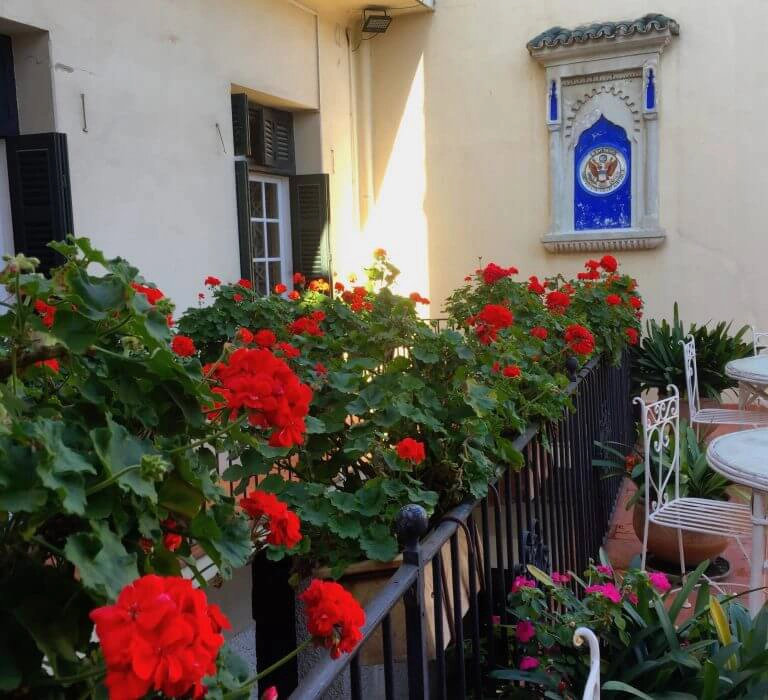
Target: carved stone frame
607,76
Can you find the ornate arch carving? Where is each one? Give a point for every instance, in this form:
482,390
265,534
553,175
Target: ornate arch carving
571,118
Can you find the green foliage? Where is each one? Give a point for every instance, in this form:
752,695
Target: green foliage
648,648
658,361
95,453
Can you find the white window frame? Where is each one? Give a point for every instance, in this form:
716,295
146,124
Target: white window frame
284,222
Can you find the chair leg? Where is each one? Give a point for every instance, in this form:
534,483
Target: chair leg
644,553
757,595
681,554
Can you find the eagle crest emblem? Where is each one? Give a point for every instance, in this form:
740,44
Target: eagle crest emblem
603,170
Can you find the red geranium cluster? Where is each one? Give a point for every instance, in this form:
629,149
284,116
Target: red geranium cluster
636,302
334,617
512,371
298,279
557,302
183,346
307,325
488,323
271,513
411,450
535,286
265,337
280,288
357,299
152,294
632,336
539,332
265,387
46,311
212,281
579,339
418,299
493,273
613,300
593,272
161,635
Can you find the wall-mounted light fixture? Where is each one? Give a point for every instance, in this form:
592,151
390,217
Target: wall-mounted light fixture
376,20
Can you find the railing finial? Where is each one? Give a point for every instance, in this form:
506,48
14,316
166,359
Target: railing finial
411,524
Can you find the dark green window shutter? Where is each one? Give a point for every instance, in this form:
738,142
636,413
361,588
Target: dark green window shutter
41,201
244,218
274,134
241,132
310,224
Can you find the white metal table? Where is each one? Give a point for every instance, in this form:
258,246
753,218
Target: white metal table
742,457
752,375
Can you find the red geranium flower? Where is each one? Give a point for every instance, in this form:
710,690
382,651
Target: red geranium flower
495,368
294,295
579,339
411,450
321,369
334,617
271,513
493,273
557,302
592,264
417,298
183,346
211,281
512,371
265,388
632,336
635,302
52,364
535,286
613,300
338,286
237,298
609,263
290,351
299,279
161,635
244,336
200,296
307,325
46,311
245,284
280,288
539,332
152,294
265,338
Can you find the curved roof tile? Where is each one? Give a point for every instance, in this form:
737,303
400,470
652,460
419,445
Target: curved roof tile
559,36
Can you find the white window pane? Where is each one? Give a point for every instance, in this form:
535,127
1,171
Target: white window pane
260,277
270,197
275,273
257,236
257,199
273,240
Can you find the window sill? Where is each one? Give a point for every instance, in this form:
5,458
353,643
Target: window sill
589,241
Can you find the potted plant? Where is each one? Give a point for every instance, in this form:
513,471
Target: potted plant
697,480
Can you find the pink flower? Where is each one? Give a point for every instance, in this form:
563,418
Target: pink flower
522,582
607,590
604,570
559,578
659,581
525,631
528,663
632,597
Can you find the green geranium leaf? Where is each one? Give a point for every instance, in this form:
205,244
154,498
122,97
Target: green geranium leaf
378,543
104,565
121,453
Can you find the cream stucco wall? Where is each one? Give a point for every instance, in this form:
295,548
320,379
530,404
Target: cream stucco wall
459,89
150,179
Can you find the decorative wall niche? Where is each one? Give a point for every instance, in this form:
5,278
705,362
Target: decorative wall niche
602,114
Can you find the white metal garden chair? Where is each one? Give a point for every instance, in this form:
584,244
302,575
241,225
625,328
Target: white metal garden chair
759,340
592,687
663,503
713,416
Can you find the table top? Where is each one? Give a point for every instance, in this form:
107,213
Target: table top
750,369
742,457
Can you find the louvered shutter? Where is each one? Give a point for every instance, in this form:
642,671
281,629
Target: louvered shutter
310,226
275,147
241,128
243,194
41,202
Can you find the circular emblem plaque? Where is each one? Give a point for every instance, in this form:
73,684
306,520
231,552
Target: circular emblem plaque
603,170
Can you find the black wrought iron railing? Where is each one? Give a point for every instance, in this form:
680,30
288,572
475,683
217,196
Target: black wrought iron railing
554,512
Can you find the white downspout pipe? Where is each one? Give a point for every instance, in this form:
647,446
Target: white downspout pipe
366,100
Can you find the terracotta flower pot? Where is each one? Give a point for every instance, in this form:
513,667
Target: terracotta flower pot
662,541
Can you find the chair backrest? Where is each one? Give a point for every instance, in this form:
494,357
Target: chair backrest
592,687
691,375
759,340
661,449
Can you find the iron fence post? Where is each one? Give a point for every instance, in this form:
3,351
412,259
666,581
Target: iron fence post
412,523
